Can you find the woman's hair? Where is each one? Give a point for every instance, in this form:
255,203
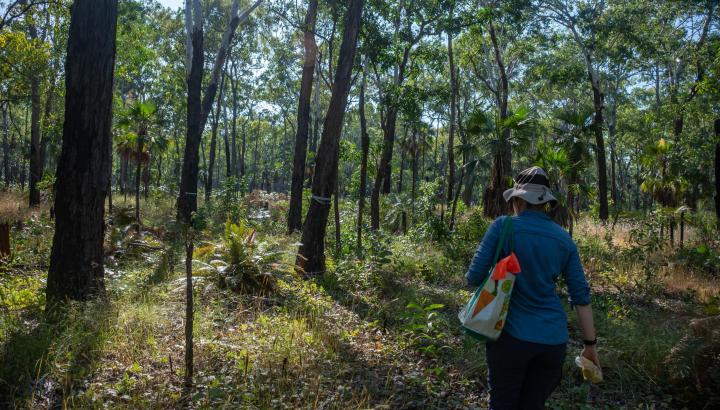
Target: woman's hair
521,204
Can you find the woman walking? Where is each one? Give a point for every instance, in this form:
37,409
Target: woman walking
525,363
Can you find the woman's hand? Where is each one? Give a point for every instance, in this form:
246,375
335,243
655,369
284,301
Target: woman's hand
590,353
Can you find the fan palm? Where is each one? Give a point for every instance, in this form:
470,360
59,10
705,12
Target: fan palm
137,119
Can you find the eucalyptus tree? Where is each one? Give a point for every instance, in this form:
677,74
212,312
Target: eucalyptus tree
492,50
311,254
303,118
410,21
32,37
198,105
365,152
583,20
76,261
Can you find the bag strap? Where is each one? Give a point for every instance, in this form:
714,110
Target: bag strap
507,226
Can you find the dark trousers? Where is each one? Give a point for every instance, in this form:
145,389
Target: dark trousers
521,374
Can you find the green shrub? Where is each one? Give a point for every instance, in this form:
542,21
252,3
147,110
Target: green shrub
468,234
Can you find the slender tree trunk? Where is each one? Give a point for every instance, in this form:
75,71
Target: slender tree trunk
451,131
198,106
383,178
311,255
4,240
76,261
243,144
228,158
6,147
493,201
35,150
385,164
413,189
43,136
138,167
187,197
233,139
717,171
600,150
213,141
613,176
401,171
303,121
256,154
316,111
365,150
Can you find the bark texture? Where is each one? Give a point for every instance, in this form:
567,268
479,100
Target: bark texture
303,121
365,150
76,262
198,106
311,255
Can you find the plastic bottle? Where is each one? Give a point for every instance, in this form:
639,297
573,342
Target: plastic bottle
589,370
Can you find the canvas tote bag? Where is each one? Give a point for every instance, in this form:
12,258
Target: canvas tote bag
484,315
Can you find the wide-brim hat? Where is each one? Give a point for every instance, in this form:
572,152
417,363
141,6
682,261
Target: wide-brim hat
533,186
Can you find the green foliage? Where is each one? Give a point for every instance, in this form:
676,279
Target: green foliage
239,242
424,327
701,257
467,236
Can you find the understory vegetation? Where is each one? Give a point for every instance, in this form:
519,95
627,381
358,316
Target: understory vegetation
377,332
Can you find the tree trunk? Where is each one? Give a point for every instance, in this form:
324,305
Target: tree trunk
365,150
413,189
383,178
316,111
228,157
138,167
256,153
187,197
213,142
35,150
401,172
311,255
612,121
303,121
243,144
76,262
451,130
494,204
717,171
233,139
198,107
4,239
600,150
383,169
6,148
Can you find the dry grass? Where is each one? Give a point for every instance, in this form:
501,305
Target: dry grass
678,278
12,207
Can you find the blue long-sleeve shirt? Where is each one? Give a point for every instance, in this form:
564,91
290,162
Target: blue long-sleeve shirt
545,251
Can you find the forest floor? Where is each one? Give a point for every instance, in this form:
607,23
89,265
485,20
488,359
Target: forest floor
376,333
